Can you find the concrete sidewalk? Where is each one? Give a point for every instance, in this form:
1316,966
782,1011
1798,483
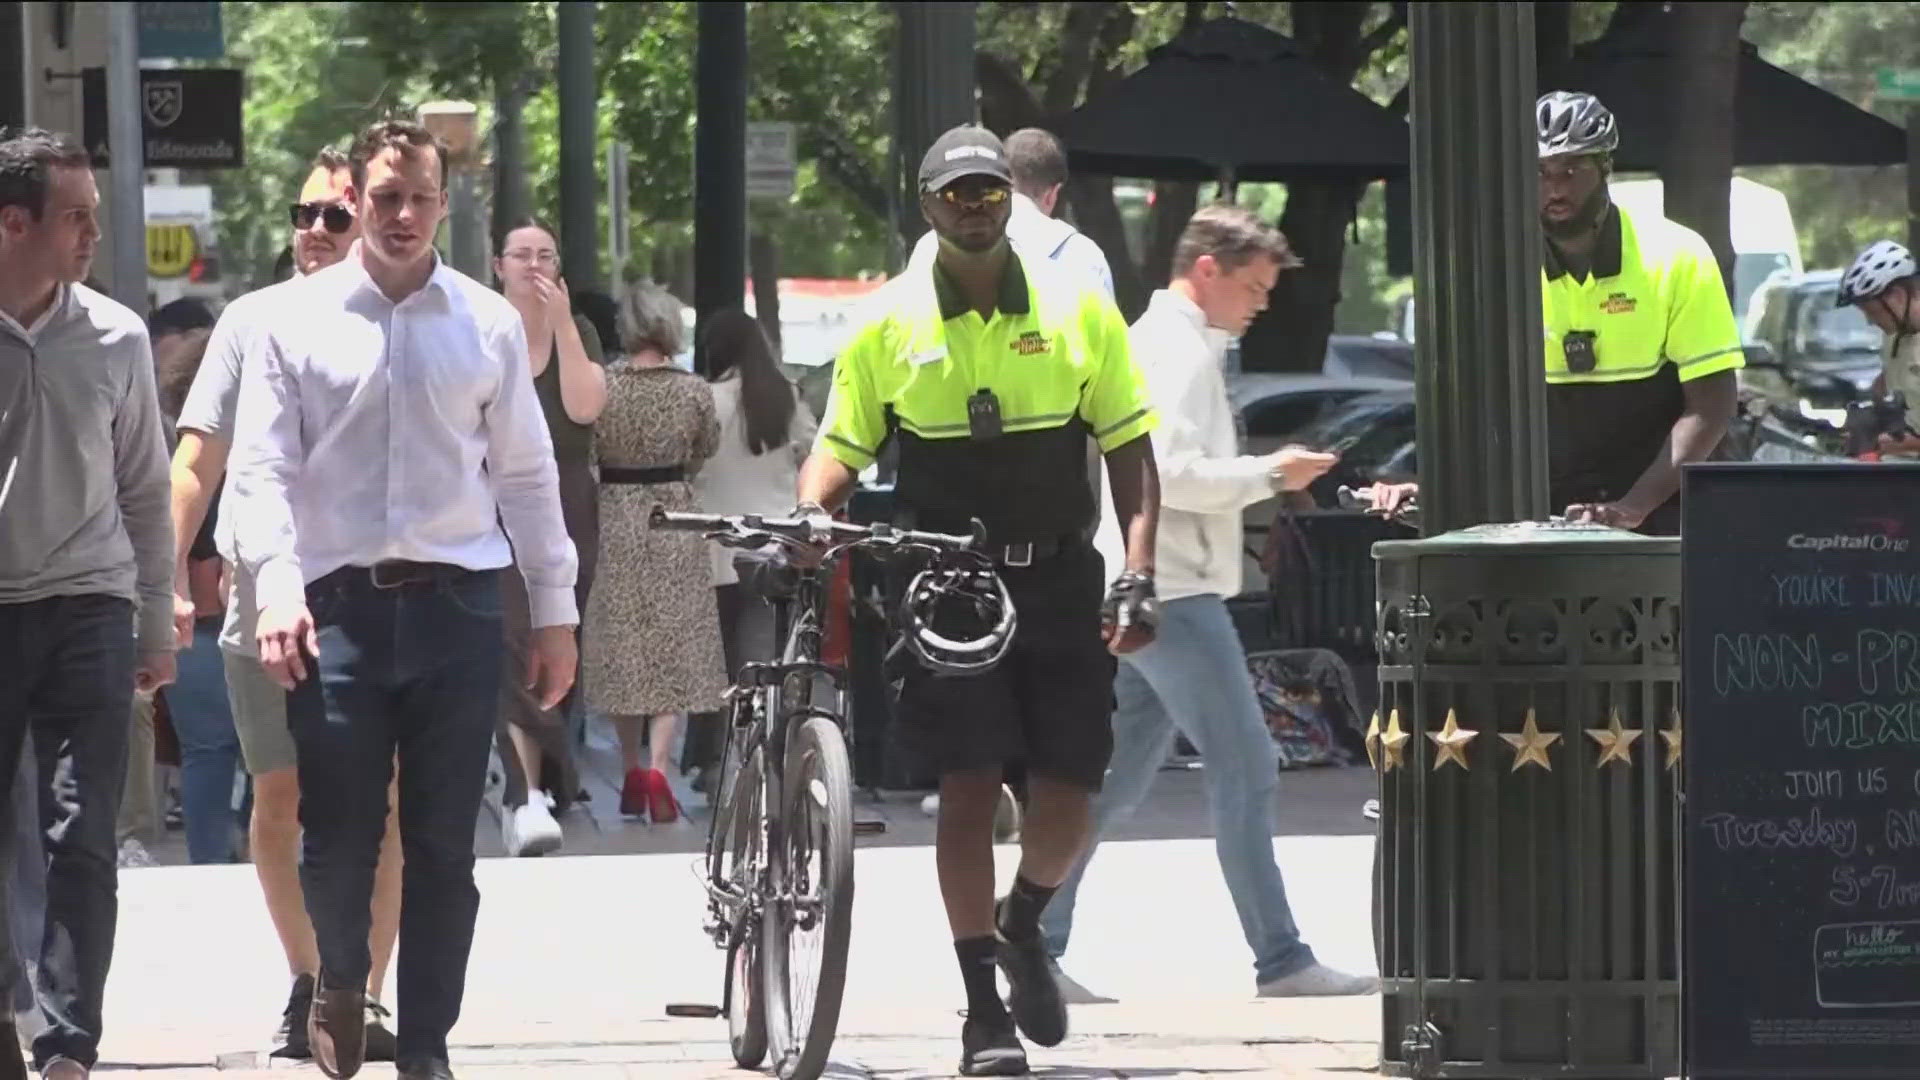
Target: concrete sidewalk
575,960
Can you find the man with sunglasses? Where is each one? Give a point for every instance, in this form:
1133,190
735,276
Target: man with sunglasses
1641,343
324,228
992,368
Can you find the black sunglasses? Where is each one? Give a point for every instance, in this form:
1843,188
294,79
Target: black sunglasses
337,217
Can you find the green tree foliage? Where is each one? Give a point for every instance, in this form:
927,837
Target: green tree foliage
309,83
1837,47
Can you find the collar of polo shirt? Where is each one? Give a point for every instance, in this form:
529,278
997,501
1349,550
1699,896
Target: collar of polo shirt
1013,298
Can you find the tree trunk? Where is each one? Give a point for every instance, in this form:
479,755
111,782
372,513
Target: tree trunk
1291,335
1552,35
763,263
511,202
1704,78
1173,204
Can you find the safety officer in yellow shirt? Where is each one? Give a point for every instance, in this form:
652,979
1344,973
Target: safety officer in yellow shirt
991,371
1641,349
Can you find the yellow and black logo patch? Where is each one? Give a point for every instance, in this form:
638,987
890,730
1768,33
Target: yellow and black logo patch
1030,343
1619,304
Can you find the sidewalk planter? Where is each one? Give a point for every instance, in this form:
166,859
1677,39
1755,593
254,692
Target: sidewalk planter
1525,893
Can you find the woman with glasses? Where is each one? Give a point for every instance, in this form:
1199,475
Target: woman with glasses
565,356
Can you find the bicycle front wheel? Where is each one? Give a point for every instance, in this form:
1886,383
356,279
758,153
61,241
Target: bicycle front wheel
808,929
746,1009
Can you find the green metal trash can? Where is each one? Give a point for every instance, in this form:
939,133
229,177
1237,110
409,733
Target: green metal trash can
1526,744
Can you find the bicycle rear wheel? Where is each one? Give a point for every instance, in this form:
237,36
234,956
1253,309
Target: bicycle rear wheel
808,931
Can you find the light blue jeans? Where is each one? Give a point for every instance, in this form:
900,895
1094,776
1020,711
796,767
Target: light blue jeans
1194,678
209,745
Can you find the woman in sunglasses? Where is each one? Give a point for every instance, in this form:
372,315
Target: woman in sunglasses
565,355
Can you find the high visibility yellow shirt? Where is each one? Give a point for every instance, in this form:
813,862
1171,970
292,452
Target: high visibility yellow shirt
1053,355
1658,314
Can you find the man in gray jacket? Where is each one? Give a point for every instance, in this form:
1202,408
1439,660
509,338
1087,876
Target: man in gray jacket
86,565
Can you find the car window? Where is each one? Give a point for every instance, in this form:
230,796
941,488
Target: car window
1286,414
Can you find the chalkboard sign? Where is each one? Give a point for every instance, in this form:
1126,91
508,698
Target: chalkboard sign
1801,654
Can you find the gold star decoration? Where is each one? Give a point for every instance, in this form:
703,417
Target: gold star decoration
1616,742
1393,742
1530,746
1452,741
1373,742
1672,736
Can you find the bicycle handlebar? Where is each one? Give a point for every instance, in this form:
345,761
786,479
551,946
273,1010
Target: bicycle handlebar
754,530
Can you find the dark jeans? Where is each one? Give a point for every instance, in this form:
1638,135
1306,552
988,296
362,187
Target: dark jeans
414,669
209,745
66,675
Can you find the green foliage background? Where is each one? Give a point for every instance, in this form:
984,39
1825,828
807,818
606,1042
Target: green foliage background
316,71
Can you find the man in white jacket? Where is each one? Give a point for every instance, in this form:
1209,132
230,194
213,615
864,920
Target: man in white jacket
1194,677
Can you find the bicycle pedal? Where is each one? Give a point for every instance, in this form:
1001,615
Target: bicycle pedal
694,1012
869,828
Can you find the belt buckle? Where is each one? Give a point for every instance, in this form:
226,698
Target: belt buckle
1019,554
408,575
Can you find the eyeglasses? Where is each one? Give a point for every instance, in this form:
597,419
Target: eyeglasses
336,216
541,258
992,196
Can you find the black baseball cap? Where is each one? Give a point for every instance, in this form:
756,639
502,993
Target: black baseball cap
964,151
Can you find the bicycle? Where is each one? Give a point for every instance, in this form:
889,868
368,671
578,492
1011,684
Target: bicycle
778,865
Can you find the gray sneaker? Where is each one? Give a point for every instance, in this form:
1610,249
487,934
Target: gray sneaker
1320,980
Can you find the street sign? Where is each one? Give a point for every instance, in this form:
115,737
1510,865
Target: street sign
180,30
171,249
1800,841
770,159
189,117
1897,84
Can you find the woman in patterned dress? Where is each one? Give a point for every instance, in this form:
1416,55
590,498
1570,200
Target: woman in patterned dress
653,642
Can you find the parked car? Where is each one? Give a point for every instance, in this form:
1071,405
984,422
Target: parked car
1272,409
1806,354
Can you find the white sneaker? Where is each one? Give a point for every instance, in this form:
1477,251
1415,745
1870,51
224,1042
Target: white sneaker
930,805
134,856
28,1025
1320,981
1006,817
531,830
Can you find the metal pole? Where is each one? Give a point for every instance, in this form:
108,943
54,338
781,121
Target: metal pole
13,54
619,245
126,215
464,238
719,163
510,201
933,91
1480,385
579,233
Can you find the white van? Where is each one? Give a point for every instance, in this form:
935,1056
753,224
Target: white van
1761,223
1764,239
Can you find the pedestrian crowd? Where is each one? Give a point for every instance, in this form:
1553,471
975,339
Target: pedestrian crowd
379,523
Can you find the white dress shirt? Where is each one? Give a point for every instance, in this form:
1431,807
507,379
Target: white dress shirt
737,481
1204,480
1038,236
369,430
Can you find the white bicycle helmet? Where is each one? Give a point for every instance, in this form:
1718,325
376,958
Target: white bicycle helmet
1883,263
1571,122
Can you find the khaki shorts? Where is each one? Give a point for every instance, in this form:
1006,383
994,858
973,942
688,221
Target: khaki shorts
259,715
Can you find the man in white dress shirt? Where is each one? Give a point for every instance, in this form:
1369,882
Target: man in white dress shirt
388,426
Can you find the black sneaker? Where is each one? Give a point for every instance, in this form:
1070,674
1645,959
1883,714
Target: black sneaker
1033,996
380,1042
292,1036
990,1048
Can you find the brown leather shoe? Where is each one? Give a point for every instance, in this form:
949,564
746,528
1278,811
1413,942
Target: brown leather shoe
337,1030
64,1068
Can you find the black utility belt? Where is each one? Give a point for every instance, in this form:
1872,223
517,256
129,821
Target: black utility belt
395,574
664,474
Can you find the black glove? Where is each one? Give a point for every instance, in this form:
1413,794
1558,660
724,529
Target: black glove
1130,602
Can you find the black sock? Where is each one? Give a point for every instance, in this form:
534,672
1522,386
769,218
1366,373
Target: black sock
1019,915
977,972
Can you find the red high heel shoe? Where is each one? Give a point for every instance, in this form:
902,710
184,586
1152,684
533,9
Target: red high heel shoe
634,793
660,801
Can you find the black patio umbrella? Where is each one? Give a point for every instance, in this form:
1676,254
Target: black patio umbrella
1779,119
1230,99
